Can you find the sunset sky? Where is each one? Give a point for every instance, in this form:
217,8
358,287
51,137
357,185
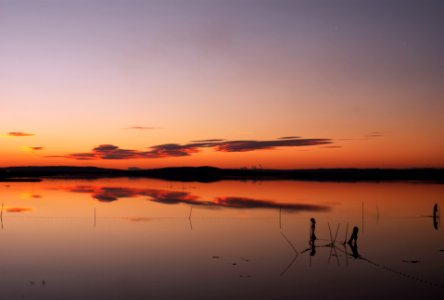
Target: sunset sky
276,84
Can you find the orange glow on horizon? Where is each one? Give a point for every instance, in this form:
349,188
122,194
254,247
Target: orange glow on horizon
366,102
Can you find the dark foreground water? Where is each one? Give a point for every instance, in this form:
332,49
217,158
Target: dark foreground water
151,239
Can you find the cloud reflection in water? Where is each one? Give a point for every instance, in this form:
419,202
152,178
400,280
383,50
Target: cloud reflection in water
109,194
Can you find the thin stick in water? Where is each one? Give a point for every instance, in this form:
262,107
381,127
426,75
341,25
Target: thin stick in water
336,234
1,215
189,217
289,265
362,216
329,229
290,243
377,214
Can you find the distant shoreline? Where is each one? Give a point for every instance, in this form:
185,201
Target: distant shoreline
211,174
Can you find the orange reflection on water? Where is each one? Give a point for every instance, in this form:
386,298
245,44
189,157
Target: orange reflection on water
168,233
18,209
73,197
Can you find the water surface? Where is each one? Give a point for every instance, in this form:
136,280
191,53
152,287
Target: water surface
152,239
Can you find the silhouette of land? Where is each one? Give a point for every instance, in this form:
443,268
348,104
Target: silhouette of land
210,174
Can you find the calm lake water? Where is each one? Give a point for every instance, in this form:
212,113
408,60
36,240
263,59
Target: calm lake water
152,239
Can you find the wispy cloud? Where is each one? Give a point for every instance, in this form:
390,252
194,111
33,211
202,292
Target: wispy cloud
31,149
143,127
371,135
374,134
109,151
208,141
17,134
288,137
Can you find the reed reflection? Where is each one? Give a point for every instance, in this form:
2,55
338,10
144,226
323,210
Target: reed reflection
313,238
436,216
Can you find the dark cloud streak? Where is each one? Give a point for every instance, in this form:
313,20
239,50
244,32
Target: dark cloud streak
374,134
208,141
19,134
244,146
109,151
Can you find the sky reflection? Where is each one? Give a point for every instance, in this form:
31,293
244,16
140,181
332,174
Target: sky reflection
117,238
109,194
